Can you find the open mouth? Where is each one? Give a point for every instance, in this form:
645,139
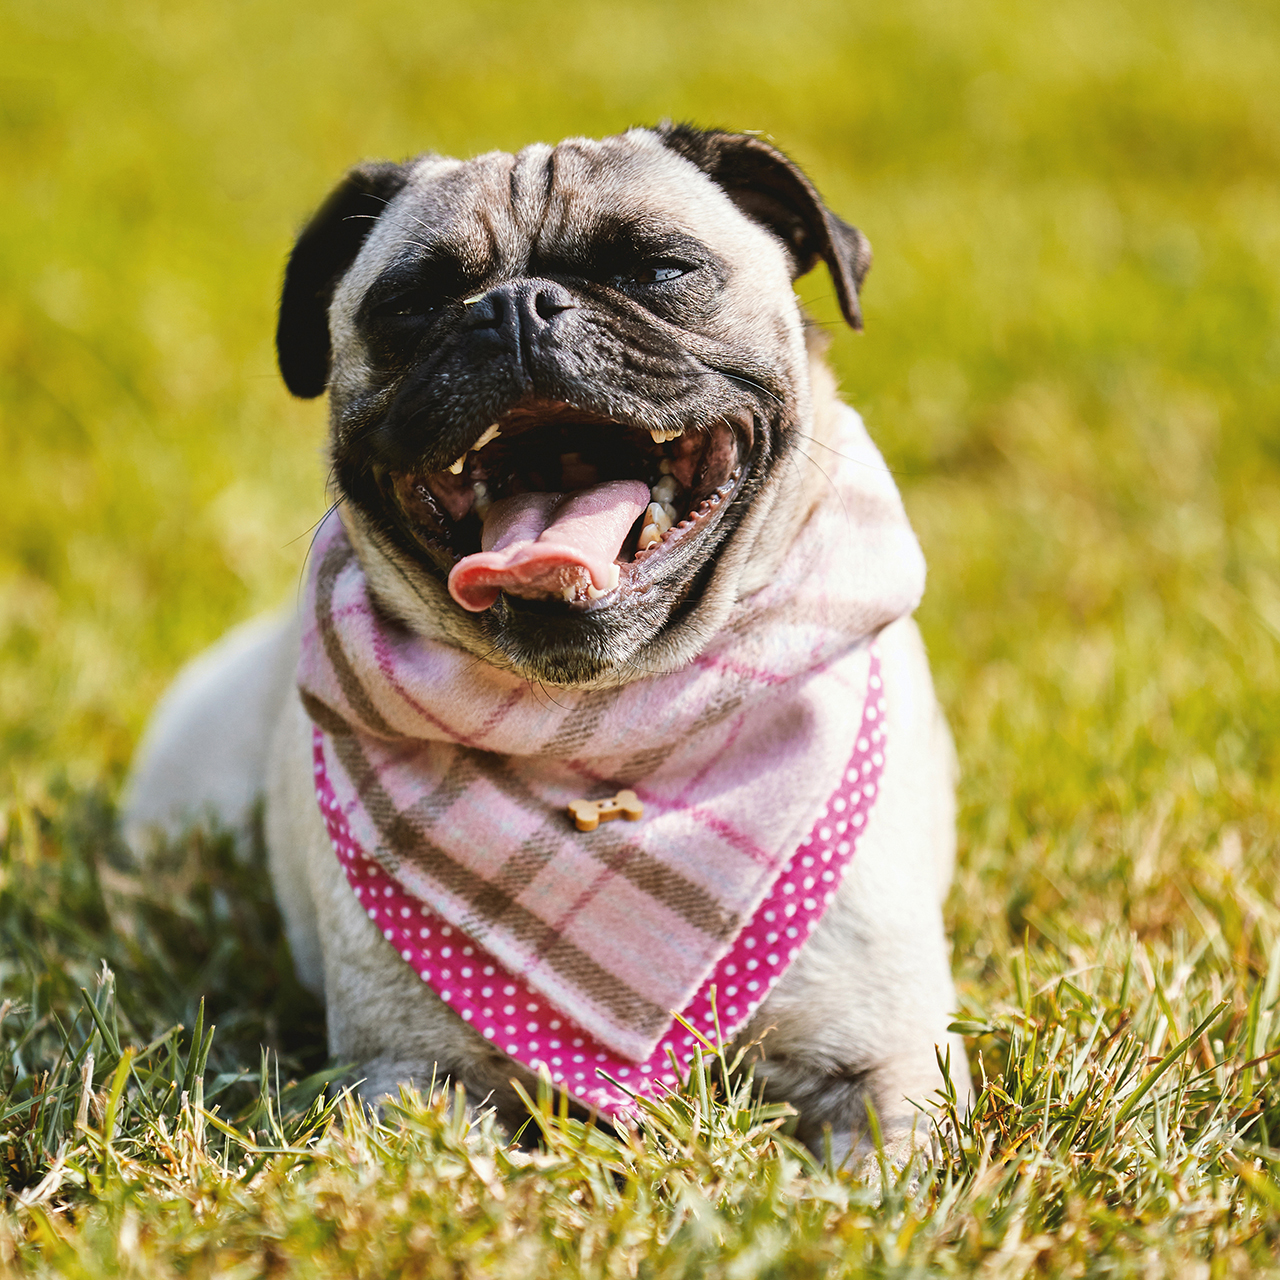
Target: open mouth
553,503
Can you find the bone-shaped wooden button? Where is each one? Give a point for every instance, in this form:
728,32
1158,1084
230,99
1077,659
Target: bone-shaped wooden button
589,814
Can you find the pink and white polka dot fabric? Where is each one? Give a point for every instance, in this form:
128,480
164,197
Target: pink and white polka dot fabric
504,1009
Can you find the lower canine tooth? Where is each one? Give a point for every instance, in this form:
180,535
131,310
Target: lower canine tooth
649,537
594,592
657,515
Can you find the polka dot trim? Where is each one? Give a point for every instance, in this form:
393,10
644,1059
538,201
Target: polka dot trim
518,1019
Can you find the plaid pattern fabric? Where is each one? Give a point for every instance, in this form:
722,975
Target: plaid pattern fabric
456,776
503,1008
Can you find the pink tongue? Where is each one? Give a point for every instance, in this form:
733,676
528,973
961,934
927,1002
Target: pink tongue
539,543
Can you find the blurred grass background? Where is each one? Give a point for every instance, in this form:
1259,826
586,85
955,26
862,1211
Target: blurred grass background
1071,360
1071,353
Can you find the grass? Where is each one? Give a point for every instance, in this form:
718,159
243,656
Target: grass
1071,360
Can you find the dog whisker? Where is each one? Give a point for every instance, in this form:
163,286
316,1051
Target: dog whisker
750,382
314,531
826,476
857,462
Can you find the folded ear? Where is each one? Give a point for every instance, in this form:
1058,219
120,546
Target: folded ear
326,248
772,190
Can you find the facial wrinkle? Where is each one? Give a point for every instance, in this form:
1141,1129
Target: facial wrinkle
530,190
550,229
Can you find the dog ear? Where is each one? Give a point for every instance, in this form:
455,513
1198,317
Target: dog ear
771,189
326,248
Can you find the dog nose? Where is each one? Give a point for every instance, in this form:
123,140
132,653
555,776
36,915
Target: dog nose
519,310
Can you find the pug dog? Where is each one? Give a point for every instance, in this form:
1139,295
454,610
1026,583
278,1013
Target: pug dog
577,420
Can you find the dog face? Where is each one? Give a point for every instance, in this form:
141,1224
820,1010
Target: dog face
564,386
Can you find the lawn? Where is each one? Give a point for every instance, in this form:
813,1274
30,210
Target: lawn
1072,362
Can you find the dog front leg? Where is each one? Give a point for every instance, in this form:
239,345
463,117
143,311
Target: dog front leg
382,1019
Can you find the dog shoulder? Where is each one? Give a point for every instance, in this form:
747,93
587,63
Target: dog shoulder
203,758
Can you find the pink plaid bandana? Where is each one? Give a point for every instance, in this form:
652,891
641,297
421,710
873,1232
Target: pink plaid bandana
445,783
505,1009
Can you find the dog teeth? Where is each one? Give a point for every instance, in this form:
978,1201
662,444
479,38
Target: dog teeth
650,534
574,591
491,433
661,514
615,576
661,437
658,518
665,490
483,502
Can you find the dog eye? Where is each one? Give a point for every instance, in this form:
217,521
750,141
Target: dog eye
408,303
660,271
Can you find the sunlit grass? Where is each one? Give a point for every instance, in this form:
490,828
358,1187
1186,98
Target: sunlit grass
1072,361
1125,1119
